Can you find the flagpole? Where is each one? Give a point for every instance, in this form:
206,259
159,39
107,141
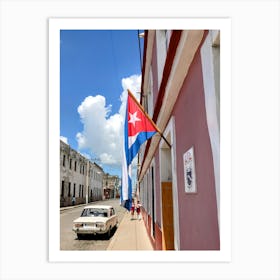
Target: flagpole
144,112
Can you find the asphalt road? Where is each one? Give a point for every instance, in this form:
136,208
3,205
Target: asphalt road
68,238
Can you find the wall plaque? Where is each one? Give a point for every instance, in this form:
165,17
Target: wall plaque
189,171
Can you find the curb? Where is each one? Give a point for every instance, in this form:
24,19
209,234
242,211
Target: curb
71,207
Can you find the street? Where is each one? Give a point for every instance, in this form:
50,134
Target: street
68,238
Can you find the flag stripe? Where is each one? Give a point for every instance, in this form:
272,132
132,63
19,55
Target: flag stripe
140,139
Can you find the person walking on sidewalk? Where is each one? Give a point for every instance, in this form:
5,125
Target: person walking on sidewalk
132,210
138,210
73,200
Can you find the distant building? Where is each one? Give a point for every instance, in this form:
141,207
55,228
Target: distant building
96,174
74,181
110,186
179,184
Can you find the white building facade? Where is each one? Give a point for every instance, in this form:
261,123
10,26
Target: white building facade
81,181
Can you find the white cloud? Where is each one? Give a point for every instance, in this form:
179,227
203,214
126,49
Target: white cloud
133,83
103,132
64,139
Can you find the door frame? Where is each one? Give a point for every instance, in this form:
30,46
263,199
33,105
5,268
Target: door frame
170,130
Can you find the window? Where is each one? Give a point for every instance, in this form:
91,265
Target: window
95,212
74,190
75,166
69,189
112,212
161,41
62,189
63,162
153,201
70,163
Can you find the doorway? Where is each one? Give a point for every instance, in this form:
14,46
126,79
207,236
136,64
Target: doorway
167,216
166,196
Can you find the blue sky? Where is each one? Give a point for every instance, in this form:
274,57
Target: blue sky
96,67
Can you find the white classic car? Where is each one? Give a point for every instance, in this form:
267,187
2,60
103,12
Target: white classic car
96,219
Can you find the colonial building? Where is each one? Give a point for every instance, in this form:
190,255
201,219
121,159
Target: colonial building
110,186
179,179
79,177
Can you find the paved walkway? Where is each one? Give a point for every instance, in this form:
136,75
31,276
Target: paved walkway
130,235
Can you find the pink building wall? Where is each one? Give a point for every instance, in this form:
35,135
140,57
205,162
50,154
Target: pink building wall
197,212
198,222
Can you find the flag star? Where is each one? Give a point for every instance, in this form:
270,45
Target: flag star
133,118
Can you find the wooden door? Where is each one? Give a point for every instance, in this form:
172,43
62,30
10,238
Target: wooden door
167,216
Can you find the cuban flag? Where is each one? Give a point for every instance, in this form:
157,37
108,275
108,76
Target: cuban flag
138,128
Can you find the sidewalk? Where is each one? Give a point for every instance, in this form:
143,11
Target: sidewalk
130,235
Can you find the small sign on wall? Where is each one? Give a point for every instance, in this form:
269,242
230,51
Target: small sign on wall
189,171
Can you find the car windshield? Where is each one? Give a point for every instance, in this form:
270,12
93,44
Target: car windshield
94,212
